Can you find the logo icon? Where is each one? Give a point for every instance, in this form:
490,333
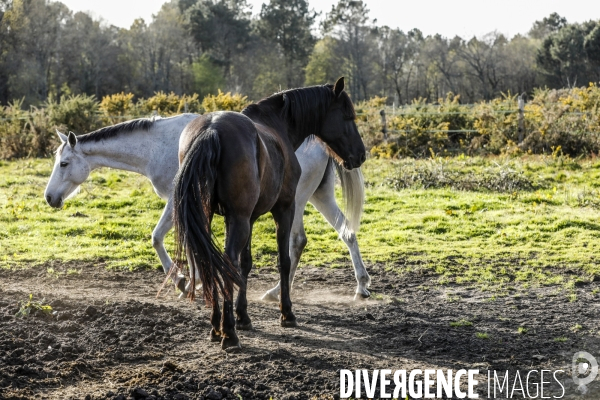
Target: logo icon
585,370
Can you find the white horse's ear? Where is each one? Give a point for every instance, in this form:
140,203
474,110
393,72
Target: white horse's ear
61,136
72,139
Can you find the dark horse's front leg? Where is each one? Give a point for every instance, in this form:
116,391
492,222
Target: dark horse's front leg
284,216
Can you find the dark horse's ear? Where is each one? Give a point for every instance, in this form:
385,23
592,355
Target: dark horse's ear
338,88
72,139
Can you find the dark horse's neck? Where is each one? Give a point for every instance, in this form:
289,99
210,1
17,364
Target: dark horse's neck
296,113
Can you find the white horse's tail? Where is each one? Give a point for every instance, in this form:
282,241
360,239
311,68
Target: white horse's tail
353,194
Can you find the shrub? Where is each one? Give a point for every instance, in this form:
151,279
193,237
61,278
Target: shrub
77,113
117,107
170,104
24,133
565,118
225,102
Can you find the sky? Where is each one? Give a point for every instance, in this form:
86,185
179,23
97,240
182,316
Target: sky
465,18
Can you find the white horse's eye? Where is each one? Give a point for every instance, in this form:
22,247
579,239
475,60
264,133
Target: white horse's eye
64,164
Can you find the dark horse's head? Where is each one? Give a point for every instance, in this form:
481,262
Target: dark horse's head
339,130
326,112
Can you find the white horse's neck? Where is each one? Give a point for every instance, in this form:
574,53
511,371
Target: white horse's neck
122,153
140,150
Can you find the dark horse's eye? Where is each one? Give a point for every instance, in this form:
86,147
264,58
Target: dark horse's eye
64,164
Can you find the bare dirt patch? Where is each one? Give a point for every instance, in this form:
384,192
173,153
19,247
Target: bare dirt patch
111,338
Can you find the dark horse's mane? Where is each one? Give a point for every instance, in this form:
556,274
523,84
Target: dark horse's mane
113,130
303,109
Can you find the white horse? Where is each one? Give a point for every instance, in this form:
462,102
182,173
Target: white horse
150,146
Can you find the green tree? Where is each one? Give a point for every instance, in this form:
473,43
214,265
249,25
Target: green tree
444,54
348,21
208,78
547,26
591,44
562,56
288,24
484,63
31,31
323,63
88,56
221,29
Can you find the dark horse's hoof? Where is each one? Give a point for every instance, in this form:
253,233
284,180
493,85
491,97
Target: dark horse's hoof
231,345
289,323
243,326
181,285
214,335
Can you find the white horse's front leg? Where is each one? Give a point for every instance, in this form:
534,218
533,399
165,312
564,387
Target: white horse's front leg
165,223
297,243
360,272
324,201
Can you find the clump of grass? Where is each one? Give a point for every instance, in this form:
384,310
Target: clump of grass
461,323
573,297
576,328
440,173
522,330
32,306
561,339
482,335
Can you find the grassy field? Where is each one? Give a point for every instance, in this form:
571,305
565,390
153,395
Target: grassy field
493,222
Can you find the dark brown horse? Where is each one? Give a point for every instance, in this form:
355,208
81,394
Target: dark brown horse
242,165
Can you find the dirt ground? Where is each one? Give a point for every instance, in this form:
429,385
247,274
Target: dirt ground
111,338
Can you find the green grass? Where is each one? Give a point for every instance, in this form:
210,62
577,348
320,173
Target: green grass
547,234
461,323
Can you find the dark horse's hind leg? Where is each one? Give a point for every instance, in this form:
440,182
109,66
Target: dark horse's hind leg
238,232
242,321
284,217
215,320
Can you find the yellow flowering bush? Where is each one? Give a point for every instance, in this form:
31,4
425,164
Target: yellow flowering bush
225,102
170,104
117,106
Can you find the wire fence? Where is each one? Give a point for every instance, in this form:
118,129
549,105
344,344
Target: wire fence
397,112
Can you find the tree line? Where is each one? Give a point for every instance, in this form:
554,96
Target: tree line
199,46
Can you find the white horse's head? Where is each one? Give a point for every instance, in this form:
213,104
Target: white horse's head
70,170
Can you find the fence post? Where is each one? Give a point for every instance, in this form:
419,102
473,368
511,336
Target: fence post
521,129
185,107
383,125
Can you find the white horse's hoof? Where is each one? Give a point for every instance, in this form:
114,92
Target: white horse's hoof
270,297
362,295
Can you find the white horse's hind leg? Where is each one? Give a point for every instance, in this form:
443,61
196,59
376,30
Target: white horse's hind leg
324,200
165,223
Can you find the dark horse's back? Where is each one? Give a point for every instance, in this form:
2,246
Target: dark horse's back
258,153
234,144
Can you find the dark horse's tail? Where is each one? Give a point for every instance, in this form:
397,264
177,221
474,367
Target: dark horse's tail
193,198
